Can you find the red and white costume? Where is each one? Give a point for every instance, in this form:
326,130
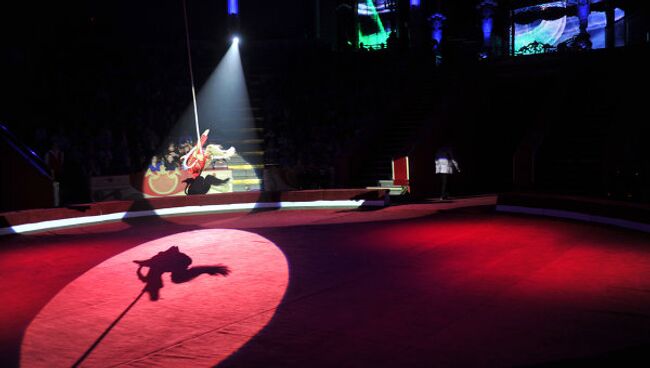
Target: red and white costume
194,161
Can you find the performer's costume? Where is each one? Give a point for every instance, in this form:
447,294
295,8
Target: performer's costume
194,161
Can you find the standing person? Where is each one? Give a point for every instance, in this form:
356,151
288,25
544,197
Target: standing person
54,161
446,165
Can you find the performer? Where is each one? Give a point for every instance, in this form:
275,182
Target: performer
217,155
194,161
446,165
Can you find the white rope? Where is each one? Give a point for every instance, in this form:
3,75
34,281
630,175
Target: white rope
189,58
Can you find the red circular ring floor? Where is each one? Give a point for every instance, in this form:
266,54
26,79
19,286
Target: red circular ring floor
401,286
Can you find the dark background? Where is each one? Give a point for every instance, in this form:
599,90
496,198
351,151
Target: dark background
109,79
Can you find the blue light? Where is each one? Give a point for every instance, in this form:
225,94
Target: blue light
415,2
583,11
487,30
233,7
436,20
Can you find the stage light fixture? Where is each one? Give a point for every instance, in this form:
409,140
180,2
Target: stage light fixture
235,40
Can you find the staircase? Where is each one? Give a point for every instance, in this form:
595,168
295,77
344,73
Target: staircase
248,164
398,136
571,159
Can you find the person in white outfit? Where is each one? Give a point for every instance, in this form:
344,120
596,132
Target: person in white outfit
446,165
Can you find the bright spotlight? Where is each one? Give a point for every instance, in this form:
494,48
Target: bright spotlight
235,40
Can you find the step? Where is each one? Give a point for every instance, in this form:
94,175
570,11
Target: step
235,142
246,187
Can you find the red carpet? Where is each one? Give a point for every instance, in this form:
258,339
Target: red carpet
400,286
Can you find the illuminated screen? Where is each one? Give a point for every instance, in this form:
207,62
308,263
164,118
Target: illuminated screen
554,32
375,22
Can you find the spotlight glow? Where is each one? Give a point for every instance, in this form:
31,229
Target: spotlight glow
258,281
224,108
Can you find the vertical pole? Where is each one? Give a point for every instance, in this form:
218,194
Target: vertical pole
512,32
357,26
189,59
610,34
317,15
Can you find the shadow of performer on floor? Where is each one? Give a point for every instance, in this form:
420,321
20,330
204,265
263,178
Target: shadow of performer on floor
174,261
